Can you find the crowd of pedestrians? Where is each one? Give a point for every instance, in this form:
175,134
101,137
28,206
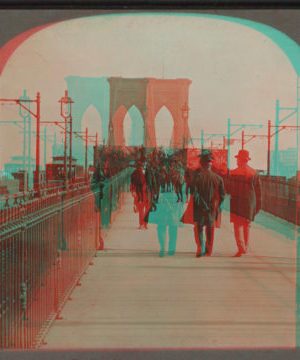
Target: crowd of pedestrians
157,185
169,193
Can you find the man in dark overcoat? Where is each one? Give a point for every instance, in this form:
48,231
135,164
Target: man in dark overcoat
245,202
97,186
208,193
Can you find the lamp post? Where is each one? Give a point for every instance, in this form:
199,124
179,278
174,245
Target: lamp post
185,115
65,111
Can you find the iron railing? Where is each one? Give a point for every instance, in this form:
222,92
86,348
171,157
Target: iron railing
46,245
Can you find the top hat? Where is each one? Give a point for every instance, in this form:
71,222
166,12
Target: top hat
206,155
243,154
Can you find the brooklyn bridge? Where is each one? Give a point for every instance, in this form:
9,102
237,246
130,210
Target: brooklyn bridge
150,217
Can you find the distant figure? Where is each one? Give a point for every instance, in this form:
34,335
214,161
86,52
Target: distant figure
139,192
208,193
138,181
177,176
97,185
245,203
187,178
150,181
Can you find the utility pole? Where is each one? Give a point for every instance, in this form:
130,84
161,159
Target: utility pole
27,102
70,153
276,140
243,140
228,147
269,146
86,147
29,151
45,146
240,126
297,227
278,121
38,119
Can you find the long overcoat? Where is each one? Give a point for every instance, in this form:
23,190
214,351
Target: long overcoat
208,193
168,211
245,190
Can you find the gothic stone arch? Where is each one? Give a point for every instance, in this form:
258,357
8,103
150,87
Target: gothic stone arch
148,95
86,91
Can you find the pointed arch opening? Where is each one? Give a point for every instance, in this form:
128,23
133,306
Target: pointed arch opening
136,137
92,121
164,124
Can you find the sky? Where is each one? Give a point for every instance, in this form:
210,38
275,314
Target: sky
236,73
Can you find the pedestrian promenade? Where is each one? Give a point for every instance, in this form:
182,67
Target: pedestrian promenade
132,298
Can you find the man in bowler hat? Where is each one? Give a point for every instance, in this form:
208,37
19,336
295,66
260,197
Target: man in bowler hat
245,202
208,193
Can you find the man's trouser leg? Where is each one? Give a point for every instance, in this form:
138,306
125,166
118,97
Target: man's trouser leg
172,239
246,229
161,234
210,232
140,207
139,192
180,192
201,238
238,237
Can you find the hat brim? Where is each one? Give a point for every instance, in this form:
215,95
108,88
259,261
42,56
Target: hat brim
210,158
242,157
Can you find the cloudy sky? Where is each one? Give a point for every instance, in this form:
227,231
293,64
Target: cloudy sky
236,73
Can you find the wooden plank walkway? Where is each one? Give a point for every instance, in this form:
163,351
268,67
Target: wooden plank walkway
131,298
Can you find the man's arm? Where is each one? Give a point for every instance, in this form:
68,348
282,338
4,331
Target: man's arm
221,190
258,193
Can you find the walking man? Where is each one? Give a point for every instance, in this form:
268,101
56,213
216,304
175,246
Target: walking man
208,193
245,202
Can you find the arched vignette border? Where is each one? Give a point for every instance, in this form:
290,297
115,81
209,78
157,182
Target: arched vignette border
286,43
9,48
290,48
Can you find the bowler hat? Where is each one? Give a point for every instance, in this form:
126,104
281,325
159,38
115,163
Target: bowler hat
243,154
206,155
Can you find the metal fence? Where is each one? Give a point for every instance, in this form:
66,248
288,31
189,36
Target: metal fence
279,197
46,245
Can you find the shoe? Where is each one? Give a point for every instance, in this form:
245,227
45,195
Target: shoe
238,254
171,253
161,254
207,254
200,254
